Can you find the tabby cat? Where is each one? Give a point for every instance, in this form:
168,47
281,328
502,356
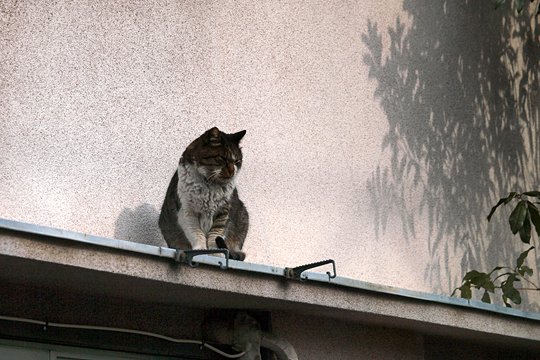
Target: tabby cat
202,209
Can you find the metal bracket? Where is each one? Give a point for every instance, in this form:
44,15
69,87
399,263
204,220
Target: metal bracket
186,256
296,273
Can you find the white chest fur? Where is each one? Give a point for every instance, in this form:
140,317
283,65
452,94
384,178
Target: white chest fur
201,199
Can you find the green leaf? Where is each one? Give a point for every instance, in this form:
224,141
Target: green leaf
521,259
525,231
525,270
532,193
479,279
505,300
502,201
513,294
535,215
489,285
472,275
517,217
486,298
465,291
509,291
510,197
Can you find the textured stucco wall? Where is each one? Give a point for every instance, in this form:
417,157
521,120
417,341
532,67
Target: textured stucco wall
347,156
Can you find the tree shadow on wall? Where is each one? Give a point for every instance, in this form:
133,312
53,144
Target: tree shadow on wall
460,87
139,225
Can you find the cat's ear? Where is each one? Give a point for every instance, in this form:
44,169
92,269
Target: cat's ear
236,137
213,137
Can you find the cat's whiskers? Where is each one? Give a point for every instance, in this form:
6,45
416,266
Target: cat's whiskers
213,175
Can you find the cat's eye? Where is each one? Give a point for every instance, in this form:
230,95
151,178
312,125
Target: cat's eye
221,160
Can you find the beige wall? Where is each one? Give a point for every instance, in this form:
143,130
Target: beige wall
98,100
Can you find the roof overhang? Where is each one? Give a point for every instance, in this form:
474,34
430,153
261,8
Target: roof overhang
59,260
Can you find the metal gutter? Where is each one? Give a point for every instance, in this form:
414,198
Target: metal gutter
166,252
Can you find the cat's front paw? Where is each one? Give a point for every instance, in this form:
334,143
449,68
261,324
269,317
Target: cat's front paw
234,255
220,242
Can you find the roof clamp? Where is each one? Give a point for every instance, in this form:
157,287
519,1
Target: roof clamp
186,256
296,272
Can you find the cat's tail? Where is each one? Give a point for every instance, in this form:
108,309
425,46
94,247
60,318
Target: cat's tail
234,254
168,218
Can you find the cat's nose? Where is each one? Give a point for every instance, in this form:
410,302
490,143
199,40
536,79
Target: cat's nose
231,168
228,171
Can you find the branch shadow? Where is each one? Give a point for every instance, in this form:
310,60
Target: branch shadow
139,225
459,84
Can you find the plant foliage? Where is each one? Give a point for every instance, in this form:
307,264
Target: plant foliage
523,217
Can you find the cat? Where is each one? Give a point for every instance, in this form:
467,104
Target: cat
202,209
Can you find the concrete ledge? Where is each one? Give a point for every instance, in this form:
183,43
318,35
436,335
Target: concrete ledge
44,261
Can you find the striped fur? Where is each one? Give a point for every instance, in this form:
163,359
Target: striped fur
202,209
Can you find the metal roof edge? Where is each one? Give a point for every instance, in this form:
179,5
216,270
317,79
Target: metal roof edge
309,276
